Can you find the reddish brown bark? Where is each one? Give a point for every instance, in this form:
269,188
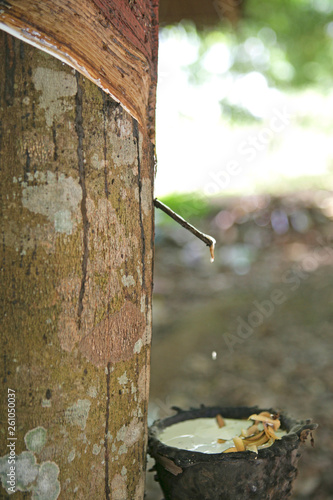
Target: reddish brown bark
112,42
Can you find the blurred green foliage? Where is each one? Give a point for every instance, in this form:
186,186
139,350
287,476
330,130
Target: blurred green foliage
288,42
188,205
194,206
237,114
279,47
304,39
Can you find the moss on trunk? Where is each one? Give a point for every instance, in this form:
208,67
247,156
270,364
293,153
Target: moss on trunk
76,184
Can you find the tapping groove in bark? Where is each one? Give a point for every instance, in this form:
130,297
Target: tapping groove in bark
10,64
105,145
143,238
55,145
27,166
106,445
82,173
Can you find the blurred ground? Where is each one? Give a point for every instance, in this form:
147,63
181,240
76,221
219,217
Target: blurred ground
265,308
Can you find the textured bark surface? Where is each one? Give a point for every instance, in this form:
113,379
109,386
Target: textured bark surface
76,257
112,42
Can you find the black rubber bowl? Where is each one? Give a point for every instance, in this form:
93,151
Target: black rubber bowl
191,475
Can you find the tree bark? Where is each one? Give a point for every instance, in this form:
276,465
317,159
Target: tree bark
76,191
112,42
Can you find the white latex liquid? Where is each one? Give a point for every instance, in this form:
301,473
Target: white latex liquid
201,434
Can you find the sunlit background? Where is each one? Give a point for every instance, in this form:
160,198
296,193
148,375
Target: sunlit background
245,153
248,110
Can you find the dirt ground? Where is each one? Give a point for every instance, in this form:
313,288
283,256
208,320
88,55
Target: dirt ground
264,307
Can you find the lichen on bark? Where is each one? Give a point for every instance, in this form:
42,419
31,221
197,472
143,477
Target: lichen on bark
76,273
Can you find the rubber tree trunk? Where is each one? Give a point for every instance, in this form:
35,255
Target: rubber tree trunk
76,189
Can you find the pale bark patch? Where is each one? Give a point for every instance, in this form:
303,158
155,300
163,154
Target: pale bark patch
128,281
40,479
131,433
77,414
123,379
35,439
118,488
137,347
143,382
55,86
146,199
57,199
71,456
140,489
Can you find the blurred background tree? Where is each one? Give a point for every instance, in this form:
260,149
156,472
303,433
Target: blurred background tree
289,42
277,56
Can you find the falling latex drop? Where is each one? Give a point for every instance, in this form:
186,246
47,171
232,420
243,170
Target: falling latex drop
211,248
214,355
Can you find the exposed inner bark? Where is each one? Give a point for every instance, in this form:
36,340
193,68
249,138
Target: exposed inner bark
113,43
